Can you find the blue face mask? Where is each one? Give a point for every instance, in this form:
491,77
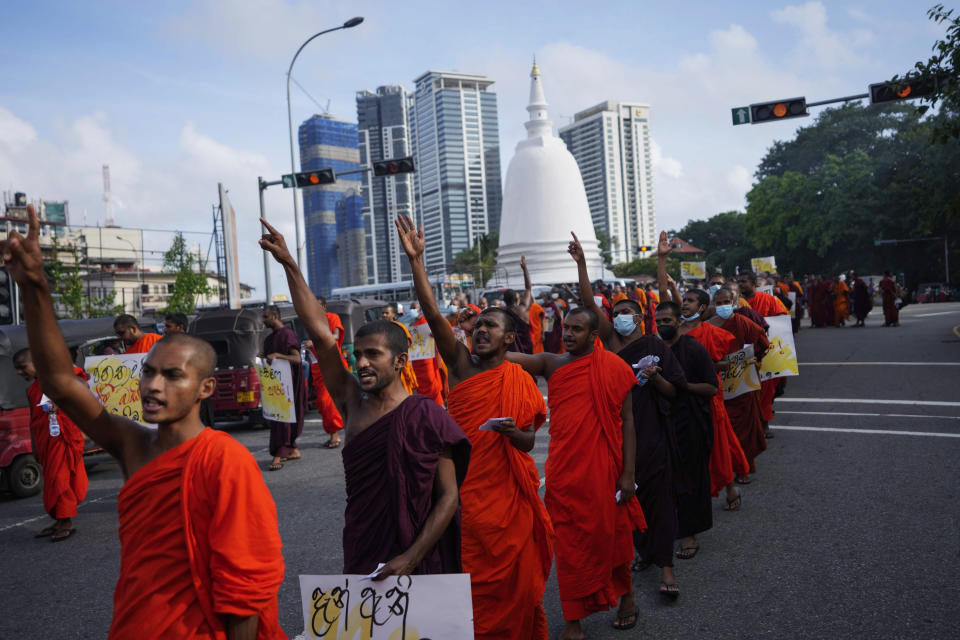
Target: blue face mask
690,318
713,289
624,324
724,310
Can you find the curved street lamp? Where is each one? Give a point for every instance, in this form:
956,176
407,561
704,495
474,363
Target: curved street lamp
352,22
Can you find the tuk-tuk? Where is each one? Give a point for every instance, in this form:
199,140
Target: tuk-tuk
20,472
354,313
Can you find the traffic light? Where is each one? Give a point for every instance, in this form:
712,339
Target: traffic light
644,248
314,178
7,297
393,166
778,110
902,90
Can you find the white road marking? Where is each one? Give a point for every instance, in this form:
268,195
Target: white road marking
872,415
938,313
928,403
869,364
29,520
869,431
543,481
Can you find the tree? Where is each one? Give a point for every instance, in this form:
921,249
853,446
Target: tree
191,281
603,243
648,266
944,67
724,239
68,289
469,259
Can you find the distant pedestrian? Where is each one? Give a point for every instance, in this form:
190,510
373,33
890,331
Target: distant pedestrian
891,292
128,330
862,302
282,344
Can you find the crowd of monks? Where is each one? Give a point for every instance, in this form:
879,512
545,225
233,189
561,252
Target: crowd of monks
438,474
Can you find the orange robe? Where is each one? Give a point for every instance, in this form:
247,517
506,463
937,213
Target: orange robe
198,541
584,462
332,420
744,410
652,301
64,476
617,297
145,343
726,457
536,327
507,540
767,305
429,379
408,378
841,302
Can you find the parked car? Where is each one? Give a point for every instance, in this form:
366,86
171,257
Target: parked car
933,292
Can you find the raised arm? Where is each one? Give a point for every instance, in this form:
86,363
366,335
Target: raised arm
526,298
453,352
51,357
668,288
341,385
586,290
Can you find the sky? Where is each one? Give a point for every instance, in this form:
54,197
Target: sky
177,96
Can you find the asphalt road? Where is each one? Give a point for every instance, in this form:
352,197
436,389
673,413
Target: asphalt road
849,530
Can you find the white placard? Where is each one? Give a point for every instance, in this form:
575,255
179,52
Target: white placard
741,377
276,390
428,607
115,380
780,360
422,347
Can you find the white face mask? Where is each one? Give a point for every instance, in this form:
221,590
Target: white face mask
624,324
724,310
554,296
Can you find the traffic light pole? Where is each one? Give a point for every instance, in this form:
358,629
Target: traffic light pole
859,96
261,187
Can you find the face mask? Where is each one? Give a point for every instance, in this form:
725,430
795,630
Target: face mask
624,324
667,333
724,310
554,295
714,289
690,318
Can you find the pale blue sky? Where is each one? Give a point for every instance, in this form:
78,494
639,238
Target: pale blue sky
177,96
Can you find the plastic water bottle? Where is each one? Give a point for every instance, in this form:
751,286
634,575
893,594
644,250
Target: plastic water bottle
54,424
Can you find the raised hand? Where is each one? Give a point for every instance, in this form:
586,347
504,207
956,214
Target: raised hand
663,246
22,256
273,242
575,250
411,238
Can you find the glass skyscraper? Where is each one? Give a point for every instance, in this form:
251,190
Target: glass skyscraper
456,145
384,131
332,213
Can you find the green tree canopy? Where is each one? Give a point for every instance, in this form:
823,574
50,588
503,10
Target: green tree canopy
191,281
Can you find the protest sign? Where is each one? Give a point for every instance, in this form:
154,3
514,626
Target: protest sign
422,347
276,390
768,264
767,289
693,270
421,607
461,336
792,296
741,377
781,360
115,380
549,319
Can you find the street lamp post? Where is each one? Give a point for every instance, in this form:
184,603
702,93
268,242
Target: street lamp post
139,284
352,22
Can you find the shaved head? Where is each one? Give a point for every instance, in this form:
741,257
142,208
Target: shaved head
204,358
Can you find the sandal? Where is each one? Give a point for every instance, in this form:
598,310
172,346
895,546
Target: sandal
63,534
275,466
687,553
330,444
671,591
49,531
733,505
639,564
619,623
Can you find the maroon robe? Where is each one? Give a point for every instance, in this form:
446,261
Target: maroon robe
390,468
891,315
283,435
862,303
657,456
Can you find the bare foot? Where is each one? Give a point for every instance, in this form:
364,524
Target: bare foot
572,631
276,464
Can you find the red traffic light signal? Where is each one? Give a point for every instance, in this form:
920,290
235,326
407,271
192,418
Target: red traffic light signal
778,110
393,166
903,90
314,178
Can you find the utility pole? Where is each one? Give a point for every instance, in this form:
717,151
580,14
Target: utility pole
261,187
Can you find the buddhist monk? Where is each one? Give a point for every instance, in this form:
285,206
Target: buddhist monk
536,326
519,307
427,370
133,337
890,291
200,546
332,421
657,454
744,410
282,344
404,458
727,459
766,305
694,428
507,539
553,323
178,323
591,455
841,301
862,301
58,446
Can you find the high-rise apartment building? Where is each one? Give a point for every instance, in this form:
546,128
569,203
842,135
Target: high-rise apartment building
456,145
333,213
384,131
611,143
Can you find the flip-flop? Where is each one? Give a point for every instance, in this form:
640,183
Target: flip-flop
57,537
667,592
330,444
743,480
738,501
275,466
684,552
639,564
49,531
626,627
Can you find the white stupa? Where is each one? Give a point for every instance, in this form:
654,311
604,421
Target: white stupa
543,201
